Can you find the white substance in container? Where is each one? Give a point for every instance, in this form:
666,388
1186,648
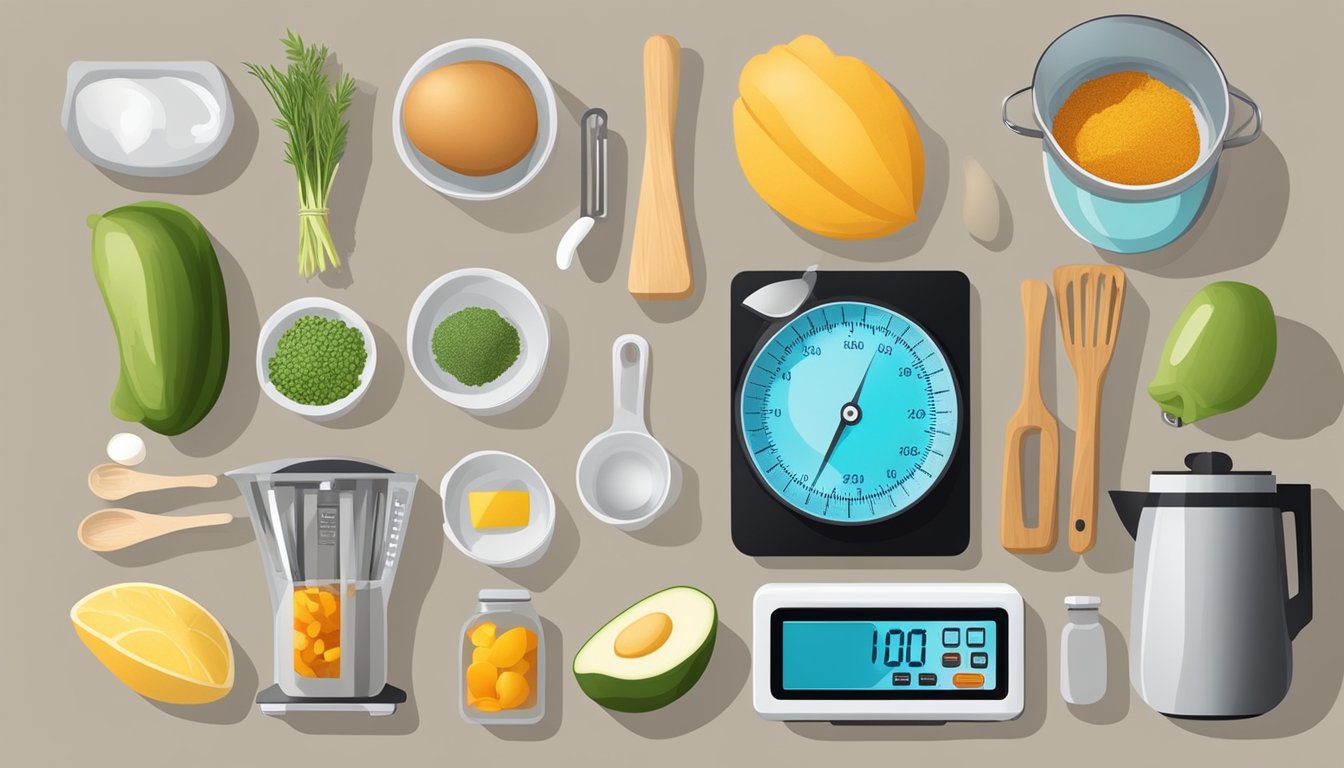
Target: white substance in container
148,122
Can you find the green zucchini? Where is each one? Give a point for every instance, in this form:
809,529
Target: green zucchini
164,292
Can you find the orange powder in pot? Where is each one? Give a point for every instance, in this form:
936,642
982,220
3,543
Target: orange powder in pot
1128,128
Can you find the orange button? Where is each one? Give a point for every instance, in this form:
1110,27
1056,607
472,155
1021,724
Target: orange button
968,680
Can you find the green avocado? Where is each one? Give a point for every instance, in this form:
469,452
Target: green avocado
161,282
652,653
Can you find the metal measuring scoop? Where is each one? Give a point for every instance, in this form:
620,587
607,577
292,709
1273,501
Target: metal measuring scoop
592,184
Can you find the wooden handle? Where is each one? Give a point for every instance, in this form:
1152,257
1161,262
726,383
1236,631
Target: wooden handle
660,265
1032,416
1083,499
201,521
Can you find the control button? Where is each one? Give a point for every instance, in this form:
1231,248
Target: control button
975,638
900,678
951,660
979,660
968,680
928,678
951,637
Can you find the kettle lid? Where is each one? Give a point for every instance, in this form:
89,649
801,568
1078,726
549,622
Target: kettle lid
1211,471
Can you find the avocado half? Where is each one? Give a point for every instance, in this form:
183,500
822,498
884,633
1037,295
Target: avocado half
659,677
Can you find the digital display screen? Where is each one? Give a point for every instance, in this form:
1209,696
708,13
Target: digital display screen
889,653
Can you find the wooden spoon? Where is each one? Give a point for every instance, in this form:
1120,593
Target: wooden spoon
113,481
1031,416
111,529
1090,299
660,264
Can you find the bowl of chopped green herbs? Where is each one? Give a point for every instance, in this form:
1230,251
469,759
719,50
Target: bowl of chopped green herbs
478,339
315,357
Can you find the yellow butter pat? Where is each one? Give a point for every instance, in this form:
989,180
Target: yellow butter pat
499,509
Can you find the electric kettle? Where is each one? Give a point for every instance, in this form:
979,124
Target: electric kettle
1212,623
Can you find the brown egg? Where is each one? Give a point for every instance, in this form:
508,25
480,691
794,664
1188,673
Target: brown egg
473,117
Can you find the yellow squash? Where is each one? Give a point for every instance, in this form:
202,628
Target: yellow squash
827,143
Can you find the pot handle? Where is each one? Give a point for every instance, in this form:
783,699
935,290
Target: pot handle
1022,130
1239,141
1297,499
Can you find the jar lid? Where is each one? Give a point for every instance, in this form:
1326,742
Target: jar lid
504,596
1082,601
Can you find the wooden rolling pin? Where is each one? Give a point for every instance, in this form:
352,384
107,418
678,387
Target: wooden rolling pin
660,265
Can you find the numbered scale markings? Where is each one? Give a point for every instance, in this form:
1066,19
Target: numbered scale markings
850,413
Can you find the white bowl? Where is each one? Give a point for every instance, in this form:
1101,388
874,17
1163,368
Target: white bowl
496,185
497,471
280,322
491,289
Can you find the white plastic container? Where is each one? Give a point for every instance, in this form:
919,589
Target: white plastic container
506,608
1082,652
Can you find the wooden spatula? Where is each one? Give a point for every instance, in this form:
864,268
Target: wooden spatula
1032,417
1090,299
660,265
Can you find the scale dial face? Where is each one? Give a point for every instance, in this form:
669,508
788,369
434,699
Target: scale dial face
849,413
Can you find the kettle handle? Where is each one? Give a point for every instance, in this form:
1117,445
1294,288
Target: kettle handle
1296,498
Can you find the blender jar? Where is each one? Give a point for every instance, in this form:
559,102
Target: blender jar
330,532
500,686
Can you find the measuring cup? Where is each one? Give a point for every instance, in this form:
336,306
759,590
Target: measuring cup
626,478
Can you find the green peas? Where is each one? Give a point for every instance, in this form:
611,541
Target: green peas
475,345
318,360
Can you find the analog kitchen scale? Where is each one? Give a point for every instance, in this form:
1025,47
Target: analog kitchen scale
887,653
851,413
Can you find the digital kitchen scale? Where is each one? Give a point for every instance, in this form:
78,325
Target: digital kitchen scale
887,653
851,416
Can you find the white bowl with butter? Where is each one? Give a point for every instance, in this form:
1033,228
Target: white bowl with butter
486,472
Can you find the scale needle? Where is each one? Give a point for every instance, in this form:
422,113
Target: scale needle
849,415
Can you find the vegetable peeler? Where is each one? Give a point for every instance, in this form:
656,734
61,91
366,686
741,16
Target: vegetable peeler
592,185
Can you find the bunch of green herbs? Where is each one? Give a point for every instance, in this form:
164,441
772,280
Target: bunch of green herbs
312,112
318,361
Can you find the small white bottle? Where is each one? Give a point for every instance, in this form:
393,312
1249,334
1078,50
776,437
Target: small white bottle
1082,652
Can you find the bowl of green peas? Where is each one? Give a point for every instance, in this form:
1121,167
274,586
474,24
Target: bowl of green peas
316,357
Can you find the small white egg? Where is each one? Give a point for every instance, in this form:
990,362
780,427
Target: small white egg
126,448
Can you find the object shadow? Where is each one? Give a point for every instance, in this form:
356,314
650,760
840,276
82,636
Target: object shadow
688,123
237,403
182,543
560,553
1318,666
718,687
1240,222
174,499
550,196
222,170
424,547
910,239
347,188
541,405
235,705
1304,393
1032,718
681,523
1114,705
555,699
383,389
601,250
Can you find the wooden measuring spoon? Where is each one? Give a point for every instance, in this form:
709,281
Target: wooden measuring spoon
660,264
111,529
113,481
1031,416
1090,299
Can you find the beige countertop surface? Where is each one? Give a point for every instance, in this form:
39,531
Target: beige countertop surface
1273,221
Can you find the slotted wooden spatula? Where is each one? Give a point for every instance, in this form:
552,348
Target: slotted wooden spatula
660,264
1090,298
1032,417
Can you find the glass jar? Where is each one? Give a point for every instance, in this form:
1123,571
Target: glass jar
503,661
1082,652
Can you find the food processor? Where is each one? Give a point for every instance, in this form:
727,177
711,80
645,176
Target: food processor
331,532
